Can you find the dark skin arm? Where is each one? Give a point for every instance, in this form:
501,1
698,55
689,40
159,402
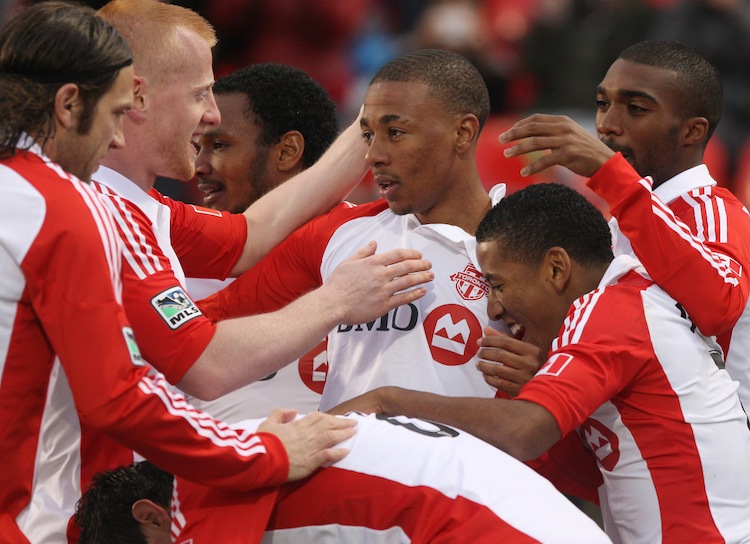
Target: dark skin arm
506,363
569,144
523,429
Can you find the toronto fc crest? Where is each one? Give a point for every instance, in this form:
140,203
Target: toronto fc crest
470,283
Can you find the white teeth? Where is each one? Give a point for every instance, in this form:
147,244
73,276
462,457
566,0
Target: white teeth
515,328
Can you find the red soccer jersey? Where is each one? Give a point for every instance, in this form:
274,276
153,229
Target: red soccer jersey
694,240
670,436
404,480
68,360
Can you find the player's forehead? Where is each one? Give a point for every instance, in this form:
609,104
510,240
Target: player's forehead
387,102
628,79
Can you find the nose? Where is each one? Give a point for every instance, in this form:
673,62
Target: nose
376,154
203,161
118,138
608,122
211,117
495,309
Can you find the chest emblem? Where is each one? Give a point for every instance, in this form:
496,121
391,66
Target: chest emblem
470,283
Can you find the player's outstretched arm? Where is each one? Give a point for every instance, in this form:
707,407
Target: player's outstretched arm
568,144
311,441
308,194
523,429
362,288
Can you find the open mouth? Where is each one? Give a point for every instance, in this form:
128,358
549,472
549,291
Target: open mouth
517,330
210,190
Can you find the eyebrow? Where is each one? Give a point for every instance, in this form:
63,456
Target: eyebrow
627,93
383,120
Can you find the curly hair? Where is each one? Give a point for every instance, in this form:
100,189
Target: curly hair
281,98
543,215
43,48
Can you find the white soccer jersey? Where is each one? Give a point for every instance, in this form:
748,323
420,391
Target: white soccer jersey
405,480
690,223
427,345
297,385
665,423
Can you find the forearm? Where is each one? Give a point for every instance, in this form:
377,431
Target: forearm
307,195
523,429
247,349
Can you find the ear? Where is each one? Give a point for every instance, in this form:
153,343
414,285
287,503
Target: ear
67,105
695,131
467,132
150,515
557,268
288,152
140,100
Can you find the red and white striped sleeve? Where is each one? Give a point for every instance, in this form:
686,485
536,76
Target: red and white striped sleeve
697,248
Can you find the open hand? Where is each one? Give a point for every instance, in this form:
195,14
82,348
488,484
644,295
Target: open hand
310,441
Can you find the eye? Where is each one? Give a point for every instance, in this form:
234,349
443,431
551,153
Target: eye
601,104
395,133
367,136
219,145
637,109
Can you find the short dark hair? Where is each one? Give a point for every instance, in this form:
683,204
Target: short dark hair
281,98
43,48
451,77
700,88
103,514
543,215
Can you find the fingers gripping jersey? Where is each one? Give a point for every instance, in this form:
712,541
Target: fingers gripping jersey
694,240
670,437
69,362
404,480
428,345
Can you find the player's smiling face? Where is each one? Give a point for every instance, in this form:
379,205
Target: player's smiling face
232,165
410,139
519,295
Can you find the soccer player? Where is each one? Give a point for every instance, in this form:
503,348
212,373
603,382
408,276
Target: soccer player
405,480
657,107
626,369
421,118
69,362
276,121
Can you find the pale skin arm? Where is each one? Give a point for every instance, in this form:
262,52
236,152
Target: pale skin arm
507,364
362,288
310,442
569,144
310,193
523,429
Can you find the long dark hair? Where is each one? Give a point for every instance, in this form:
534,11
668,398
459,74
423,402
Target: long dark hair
43,48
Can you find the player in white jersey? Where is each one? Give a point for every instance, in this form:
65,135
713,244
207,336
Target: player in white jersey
657,106
405,481
421,118
275,122
626,369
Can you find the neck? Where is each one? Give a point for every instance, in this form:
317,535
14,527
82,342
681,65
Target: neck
135,171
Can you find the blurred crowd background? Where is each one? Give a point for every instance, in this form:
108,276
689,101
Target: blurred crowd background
536,56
